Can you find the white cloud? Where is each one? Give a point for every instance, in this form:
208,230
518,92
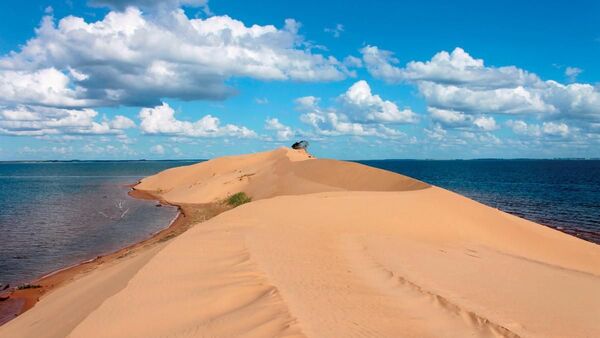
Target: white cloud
122,122
449,117
307,102
485,123
516,100
546,128
158,149
46,86
381,64
456,68
436,133
359,113
457,119
335,31
363,106
523,128
456,81
574,101
161,120
284,132
136,59
331,123
39,121
261,100
556,129
572,73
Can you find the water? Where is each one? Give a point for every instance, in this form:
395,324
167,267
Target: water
53,215
564,194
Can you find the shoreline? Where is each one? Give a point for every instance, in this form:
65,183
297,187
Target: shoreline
15,301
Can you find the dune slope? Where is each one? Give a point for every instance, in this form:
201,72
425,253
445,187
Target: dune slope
337,249
268,174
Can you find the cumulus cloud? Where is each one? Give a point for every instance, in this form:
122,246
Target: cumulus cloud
160,120
521,127
136,59
455,68
283,132
516,100
554,128
331,123
364,106
307,102
436,133
485,123
457,81
381,64
472,127
40,121
47,87
359,113
449,117
122,122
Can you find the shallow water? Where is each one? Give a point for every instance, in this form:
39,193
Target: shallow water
53,215
563,194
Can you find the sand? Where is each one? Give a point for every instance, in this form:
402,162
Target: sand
331,249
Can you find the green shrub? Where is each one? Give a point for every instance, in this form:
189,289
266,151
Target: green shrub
29,286
238,199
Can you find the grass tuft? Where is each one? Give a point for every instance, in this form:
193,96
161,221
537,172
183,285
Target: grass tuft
29,286
238,199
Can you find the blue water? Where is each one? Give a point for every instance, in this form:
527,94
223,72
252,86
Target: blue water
53,215
56,214
563,194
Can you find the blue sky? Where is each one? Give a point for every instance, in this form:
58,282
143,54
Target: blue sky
113,79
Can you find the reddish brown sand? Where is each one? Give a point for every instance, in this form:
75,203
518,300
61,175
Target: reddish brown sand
330,249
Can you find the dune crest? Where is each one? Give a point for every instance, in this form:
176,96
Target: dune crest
335,249
268,174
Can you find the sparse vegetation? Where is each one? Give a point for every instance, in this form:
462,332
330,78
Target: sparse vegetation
238,199
28,286
167,237
300,145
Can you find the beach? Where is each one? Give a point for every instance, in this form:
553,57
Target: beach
326,248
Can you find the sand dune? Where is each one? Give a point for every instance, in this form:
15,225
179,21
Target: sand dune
268,174
332,249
